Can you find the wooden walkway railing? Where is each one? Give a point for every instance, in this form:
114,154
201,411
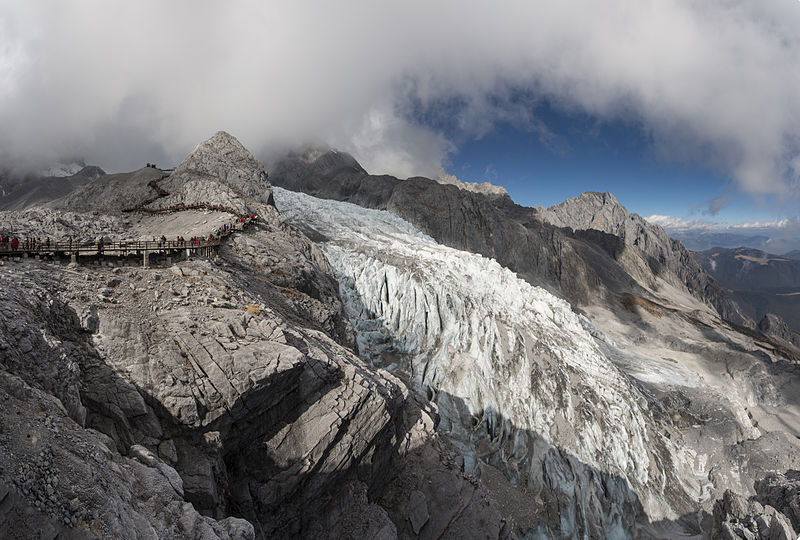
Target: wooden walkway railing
40,248
139,248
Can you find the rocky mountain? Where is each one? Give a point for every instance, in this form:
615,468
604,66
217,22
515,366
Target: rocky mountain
521,384
526,387
586,249
656,315
34,190
214,398
411,360
761,283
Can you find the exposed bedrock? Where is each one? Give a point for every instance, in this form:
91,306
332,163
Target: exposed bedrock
214,398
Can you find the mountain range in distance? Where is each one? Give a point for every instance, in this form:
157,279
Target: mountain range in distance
765,240
760,282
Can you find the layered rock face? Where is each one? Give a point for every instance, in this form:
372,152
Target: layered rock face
214,398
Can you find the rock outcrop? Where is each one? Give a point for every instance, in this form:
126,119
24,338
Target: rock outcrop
213,399
775,327
782,492
737,518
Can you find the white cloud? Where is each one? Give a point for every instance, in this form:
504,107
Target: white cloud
121,83
671,223
676,223
776,224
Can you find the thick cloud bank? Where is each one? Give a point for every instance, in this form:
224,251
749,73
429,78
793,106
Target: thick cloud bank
120,83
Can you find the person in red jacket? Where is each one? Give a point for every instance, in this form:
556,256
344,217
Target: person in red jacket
14,243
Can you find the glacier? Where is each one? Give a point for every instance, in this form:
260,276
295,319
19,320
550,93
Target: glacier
522,382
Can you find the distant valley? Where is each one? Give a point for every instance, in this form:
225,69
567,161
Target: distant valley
761,282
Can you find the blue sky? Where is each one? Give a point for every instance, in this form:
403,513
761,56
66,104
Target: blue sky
580,153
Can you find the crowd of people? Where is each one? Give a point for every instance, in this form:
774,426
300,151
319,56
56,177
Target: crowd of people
29,243
33,243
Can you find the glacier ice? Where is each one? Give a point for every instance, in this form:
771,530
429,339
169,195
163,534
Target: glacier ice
512,368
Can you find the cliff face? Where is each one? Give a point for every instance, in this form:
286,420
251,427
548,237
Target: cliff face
648,247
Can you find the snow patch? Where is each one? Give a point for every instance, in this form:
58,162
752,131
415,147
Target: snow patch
62,170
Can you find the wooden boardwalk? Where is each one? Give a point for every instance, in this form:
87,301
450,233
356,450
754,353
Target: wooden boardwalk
93,248
138,248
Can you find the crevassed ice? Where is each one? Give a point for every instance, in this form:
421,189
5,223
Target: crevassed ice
465,326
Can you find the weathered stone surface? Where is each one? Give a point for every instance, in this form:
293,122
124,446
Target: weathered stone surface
737,518
221,160
776,327
782,491
220,399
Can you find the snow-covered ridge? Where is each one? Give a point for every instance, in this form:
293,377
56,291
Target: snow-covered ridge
471,331
62,170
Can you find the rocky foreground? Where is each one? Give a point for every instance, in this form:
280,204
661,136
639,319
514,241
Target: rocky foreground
211,398
336,372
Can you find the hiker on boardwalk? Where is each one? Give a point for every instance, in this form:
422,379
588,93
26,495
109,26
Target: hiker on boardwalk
14,243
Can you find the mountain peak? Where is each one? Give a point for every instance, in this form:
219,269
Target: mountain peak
315,161
222,149
591,198
329,159
589,210
223,158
